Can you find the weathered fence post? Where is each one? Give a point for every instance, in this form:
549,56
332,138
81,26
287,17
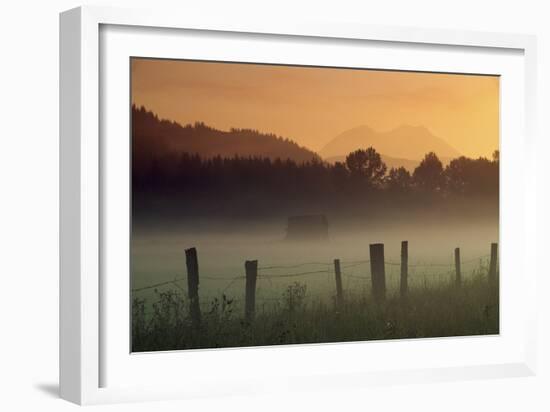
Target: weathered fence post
338,276
251,269
193,285
378,271
404,285
493,263
458,278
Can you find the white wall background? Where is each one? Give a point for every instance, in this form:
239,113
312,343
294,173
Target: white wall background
29,203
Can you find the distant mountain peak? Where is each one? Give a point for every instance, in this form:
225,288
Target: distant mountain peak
405,141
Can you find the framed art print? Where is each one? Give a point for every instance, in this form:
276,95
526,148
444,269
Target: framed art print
290,199
243,236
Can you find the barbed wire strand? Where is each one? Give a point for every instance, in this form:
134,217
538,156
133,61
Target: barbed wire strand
293,266
346,265
290,275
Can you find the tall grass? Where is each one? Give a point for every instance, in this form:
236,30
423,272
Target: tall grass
444,310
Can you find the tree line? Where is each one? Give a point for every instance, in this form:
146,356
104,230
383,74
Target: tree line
362,172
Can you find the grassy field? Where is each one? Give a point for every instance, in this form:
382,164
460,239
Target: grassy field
435,311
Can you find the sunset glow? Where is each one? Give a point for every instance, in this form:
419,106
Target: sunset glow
312,106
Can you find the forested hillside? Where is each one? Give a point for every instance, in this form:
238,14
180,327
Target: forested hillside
153,137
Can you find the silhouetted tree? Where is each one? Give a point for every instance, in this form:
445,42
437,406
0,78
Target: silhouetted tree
340,176
399,180
472,176
428,176
366,166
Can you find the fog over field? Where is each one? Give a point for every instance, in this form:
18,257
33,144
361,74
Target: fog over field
284,205
158,253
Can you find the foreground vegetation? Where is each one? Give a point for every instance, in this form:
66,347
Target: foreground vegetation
439,311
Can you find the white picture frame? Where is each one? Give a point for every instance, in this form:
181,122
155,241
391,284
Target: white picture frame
92,367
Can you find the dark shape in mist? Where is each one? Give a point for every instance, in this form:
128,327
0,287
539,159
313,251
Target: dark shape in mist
310,227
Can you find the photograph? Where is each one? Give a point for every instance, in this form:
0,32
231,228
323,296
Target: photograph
276,204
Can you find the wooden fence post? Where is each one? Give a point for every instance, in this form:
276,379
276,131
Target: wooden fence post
378,271
404,285
251,269
458,278
338,276
193,285
493,263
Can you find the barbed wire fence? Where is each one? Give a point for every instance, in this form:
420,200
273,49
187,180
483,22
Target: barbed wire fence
359,277
230,280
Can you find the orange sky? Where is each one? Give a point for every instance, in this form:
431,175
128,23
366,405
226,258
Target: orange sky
313,105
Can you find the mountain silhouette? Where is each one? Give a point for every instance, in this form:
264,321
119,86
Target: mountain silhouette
153,138
404,142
